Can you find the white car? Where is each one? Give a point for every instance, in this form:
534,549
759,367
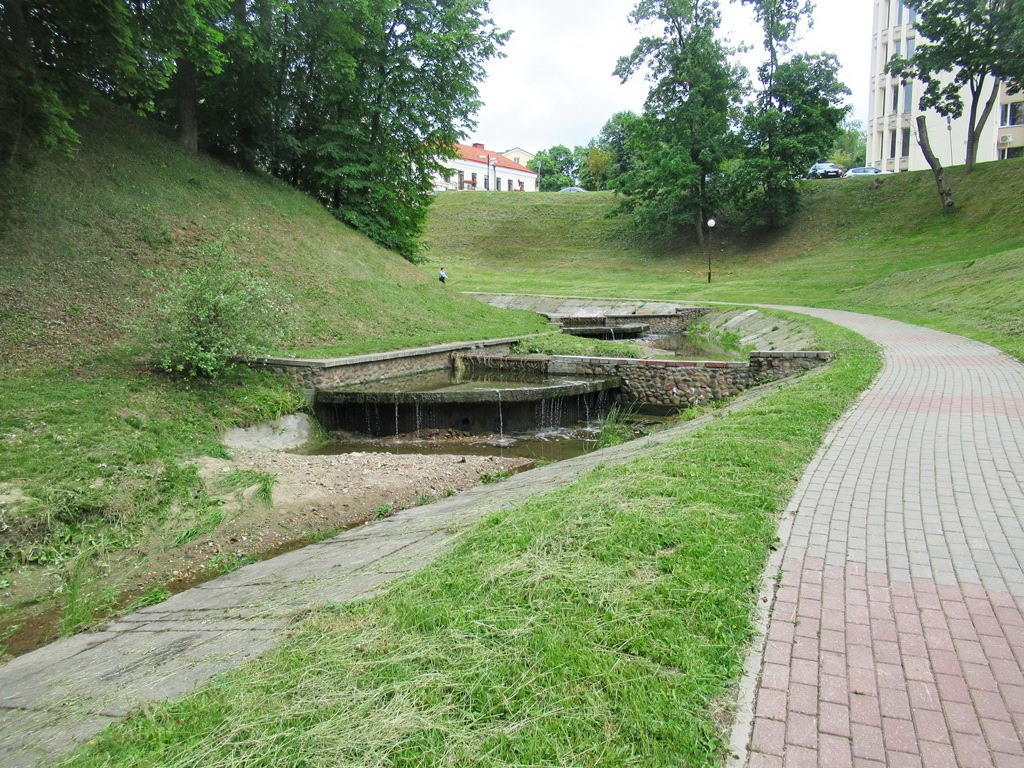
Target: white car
864,171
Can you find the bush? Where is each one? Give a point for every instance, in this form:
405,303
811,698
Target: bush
213,313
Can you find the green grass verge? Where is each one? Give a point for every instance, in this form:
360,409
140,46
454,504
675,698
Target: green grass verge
886,249
601,625
100,453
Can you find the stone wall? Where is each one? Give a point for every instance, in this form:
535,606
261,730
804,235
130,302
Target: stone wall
671,383
660,322
317,374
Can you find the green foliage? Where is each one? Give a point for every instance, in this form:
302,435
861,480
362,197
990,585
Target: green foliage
558,166
687,131
971,45
618,426
354,103
791,125
850,149
213,313
487,478
616,139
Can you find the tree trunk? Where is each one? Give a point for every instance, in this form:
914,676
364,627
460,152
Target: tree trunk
188,123
977,124
945,192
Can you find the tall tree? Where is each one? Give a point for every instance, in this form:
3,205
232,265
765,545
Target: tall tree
794,123
688,116
970,46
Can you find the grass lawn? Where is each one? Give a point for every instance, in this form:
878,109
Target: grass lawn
885,249
601,625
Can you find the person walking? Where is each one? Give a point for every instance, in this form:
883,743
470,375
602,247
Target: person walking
442,275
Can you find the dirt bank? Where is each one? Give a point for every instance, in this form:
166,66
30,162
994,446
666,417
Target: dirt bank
312,497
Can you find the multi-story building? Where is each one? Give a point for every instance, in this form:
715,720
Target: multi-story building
477,168
894,106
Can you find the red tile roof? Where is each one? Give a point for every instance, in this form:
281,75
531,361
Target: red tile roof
486,156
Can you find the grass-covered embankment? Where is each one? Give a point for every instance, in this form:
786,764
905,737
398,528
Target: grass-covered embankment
94,447
856,245
601,625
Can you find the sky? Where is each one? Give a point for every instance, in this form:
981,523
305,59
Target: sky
556,85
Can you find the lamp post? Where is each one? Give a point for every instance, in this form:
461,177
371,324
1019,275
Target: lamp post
707,246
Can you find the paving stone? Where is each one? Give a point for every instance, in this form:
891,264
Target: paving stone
918,489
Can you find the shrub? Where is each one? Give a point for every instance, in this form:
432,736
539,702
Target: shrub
213,313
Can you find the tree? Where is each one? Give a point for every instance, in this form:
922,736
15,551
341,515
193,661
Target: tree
53,56
559,167
974,41
850,149
794,123
594,173
687,131
616,139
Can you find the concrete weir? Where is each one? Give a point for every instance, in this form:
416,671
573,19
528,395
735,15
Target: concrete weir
483,407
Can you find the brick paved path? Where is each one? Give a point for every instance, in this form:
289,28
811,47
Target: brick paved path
896,634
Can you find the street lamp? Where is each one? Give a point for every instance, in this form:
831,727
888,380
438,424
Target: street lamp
707,246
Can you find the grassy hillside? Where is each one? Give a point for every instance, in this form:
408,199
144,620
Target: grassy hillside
85,232
856,245
95,448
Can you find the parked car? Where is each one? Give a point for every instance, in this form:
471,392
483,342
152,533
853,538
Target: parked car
825,171
572,189
864,171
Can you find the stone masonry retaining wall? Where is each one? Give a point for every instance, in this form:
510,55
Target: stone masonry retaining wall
317,374
672,383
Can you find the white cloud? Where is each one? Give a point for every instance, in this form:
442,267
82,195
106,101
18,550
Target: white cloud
556,84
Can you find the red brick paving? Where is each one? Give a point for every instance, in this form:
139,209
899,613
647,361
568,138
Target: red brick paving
895,635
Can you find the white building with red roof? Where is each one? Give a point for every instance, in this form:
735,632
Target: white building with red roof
480,169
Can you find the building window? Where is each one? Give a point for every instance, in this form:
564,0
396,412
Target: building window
908,96
899,11
510,185
1012,114
497,183
474,181
881,146
911,46
462,179
1011,152
895,99
912,15
905,144
896,49
892,143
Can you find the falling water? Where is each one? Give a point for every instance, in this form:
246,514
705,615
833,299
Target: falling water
501,417
397,430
